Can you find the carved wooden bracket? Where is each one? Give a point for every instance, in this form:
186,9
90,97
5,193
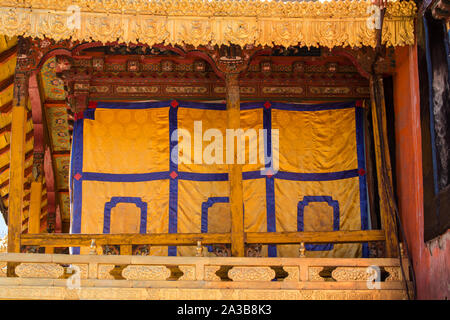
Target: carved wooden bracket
253,250
38,165
76,82
231,59
20,87
364,58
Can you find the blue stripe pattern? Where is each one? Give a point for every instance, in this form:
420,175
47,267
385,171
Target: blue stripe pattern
115,201
77,175
204,218
173,186
270,182
361,156
300,219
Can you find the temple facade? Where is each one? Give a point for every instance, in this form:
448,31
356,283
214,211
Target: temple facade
224,149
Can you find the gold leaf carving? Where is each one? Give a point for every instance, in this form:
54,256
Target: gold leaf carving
137,89
329,90
149,30
54,26
198,22
251,274
240,32
186,90
282,90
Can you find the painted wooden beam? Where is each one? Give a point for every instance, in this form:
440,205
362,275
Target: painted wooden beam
6,83
235,169
34,221
39,167
36,113
50,182
65,240
315,237
16,178
8,53
6,108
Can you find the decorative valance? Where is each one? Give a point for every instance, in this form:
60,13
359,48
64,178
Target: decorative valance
197,22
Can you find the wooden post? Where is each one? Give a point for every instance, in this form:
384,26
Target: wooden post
16,178
34,220
17,165
383,161
126,250
235,169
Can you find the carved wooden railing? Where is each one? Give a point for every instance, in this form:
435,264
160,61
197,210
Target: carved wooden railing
126,241
102,276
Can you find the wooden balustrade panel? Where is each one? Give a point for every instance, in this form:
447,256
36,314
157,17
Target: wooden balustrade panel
141,272
188,273
199,277
146,277
251,274
39,270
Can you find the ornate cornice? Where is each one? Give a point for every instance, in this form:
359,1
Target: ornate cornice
197,22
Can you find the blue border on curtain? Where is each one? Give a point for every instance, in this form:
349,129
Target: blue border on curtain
76,177
174,175
361,155
300,218
204,217
173,184
115,201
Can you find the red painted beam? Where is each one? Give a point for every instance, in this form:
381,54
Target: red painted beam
39,142
6,108
6,83
36,111
50,182
5,55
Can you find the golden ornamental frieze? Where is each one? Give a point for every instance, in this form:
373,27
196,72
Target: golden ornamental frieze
202,22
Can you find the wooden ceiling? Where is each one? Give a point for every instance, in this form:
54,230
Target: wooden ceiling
8,55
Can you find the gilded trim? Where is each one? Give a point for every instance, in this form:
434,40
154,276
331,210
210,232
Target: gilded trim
202,22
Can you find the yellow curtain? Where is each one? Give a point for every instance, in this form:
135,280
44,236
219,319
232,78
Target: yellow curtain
161,167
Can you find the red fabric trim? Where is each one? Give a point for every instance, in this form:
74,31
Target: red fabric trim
78,115
92,104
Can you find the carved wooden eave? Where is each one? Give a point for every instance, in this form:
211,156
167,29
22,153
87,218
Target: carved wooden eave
91,75
199,22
